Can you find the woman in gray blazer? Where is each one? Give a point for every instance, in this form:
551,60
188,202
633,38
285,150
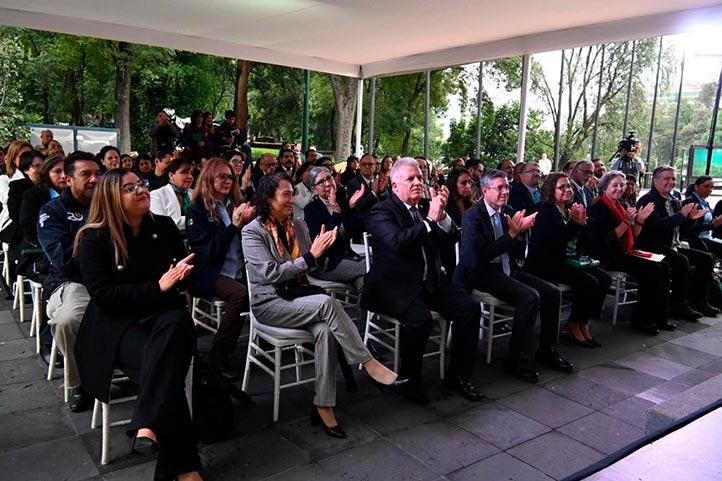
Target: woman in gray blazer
278,250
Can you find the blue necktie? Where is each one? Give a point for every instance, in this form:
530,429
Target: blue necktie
498,232
537,197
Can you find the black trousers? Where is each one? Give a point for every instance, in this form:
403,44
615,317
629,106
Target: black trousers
235,295
156,354
652,287
688,286
529,295
589,286
464,314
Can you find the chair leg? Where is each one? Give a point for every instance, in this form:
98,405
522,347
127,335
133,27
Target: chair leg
397,345
66,379
189,386
249,353
96,413
276,383
53,358
105,446
443,325
615,310
21,297
489,334
366,333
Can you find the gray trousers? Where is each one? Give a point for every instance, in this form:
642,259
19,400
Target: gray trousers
66,307
328,322
349,272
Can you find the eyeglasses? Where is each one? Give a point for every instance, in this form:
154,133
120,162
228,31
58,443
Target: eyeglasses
325,180
35,166
367,164
585,171
224,177
532,171
501,188
236,161
133,188
564,187
466,182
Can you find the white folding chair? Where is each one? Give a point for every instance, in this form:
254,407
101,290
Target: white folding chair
622,286
385,331
20,293
281,340
493,311
6,264
207,313
37,316
51,370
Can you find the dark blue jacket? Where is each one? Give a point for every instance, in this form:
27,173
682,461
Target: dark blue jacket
59,221
209,240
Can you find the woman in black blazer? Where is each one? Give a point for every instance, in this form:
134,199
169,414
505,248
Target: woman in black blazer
133,264
556,226
217,213
612,230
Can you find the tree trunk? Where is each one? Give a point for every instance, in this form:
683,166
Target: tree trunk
240,104
345,91
123,72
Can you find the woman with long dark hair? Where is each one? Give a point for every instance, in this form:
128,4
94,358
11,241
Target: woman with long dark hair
461,193
137,318
279,250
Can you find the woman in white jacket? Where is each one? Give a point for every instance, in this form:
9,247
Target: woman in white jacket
12,172
174,198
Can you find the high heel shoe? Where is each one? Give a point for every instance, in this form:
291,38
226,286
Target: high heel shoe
393,387
576,341
594,342
143,445
335,431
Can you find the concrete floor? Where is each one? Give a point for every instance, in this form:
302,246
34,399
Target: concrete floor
525,432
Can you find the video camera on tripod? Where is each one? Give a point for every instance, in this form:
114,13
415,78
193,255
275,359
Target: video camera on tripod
627,162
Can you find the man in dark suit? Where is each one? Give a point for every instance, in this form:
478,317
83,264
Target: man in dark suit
661,234
406,280
581,174
524,195
490,234
373,188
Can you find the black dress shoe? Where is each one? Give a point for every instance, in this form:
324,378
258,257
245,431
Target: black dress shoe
520,369
645,328
463,387
143,445
685,313
45,352
666,326
415,392
501,328
705,309
80,400
333,431
219,362
594,342
551,357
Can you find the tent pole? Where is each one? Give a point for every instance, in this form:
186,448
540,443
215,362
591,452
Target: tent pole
654,104
558,123
427,108
477,143
359,118
372,114
526,64
596,112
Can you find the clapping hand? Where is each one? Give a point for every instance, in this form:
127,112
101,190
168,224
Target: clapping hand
520,222
323,241
578,214
644,213
631,214
332,201
717,221
357,196
243,214
175,273
437,207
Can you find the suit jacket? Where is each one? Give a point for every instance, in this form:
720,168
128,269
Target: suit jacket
164,201
548,245
396,276
479,245
520,198
209,241
266,267
601,241
658,230
365,203
123,296
582,196
317,215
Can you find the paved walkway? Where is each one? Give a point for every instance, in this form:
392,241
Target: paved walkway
525,432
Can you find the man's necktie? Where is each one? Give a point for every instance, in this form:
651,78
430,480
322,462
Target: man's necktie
537,197
426,252
498,232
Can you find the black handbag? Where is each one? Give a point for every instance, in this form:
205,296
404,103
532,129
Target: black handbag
293,289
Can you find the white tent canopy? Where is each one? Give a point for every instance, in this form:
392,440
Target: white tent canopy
363,38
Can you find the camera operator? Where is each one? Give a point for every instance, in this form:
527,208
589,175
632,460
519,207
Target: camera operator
163,135
627,160
229,134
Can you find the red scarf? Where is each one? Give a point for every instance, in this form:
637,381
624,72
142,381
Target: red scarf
620,214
